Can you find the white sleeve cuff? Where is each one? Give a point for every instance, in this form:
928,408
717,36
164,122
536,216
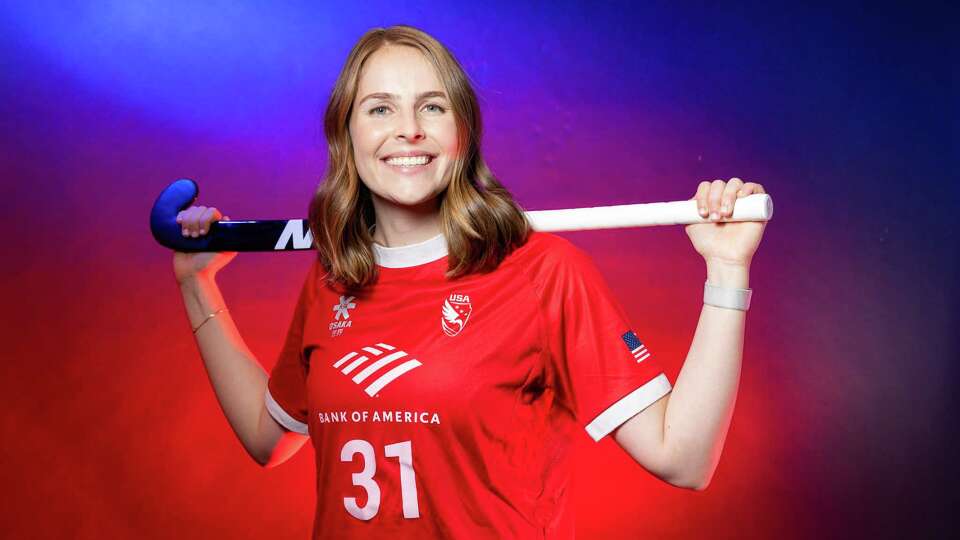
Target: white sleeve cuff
281,416
628,406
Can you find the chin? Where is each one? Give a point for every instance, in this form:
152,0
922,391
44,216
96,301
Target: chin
411,199
412,194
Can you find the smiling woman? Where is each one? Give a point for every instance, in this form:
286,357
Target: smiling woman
432,298
403,128
531,347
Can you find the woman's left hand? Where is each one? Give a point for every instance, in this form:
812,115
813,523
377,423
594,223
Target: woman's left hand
729,243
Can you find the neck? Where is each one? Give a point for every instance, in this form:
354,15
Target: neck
400,225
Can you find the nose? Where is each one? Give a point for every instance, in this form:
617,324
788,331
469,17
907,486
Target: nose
408,126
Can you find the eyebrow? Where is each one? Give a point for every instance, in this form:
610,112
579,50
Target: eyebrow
384,95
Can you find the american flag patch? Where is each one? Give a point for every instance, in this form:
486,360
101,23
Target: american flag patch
636,347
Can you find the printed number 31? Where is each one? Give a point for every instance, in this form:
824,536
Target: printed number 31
364,478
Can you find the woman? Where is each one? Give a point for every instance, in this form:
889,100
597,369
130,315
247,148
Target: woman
442,356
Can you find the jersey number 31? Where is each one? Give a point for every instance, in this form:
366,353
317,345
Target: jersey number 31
364,478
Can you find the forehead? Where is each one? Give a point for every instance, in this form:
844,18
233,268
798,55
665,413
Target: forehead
400,70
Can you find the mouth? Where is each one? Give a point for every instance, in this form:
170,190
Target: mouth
409,164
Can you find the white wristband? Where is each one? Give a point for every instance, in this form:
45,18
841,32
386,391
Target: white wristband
726,298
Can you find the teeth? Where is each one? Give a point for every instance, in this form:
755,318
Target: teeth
409,161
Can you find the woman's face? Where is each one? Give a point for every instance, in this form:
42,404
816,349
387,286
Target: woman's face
403,131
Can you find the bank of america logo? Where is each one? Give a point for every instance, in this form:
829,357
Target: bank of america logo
636,347
388,364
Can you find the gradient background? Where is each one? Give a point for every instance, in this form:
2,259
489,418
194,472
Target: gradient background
847,115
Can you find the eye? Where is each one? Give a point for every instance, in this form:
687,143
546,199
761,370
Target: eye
379,110
436,108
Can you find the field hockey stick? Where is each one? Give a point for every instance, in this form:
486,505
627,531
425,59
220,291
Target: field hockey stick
294,234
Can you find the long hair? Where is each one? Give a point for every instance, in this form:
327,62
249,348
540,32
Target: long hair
479,218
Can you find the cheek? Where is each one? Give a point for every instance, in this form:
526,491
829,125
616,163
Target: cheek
364,139
448,139
360,143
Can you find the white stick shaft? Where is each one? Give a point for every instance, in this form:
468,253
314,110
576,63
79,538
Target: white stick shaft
755,207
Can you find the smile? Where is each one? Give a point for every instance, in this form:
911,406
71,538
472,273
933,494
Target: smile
409,161
409,165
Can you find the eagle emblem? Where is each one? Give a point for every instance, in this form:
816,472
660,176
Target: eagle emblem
455,314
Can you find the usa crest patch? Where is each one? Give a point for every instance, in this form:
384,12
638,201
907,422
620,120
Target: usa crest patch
455,313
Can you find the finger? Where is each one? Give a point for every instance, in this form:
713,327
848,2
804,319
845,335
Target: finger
701,197
728,199
209,215
746,189
713,199
193,221
184,218
217,215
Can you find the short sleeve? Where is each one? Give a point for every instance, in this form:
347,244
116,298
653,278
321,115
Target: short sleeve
602,370
286,395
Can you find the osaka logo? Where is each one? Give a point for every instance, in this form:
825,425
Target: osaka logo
455,314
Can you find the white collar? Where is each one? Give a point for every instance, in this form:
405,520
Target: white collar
411,255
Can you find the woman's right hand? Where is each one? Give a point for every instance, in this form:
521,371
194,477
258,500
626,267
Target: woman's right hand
195,221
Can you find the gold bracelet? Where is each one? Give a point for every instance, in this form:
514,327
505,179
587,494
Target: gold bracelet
210,316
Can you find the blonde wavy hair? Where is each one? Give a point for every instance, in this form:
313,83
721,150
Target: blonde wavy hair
479,218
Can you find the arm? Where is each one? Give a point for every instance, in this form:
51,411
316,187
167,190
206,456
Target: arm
238,380
680,437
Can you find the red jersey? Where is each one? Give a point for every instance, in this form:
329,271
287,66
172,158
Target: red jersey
447,408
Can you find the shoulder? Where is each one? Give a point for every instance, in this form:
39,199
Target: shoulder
556,248
548,255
